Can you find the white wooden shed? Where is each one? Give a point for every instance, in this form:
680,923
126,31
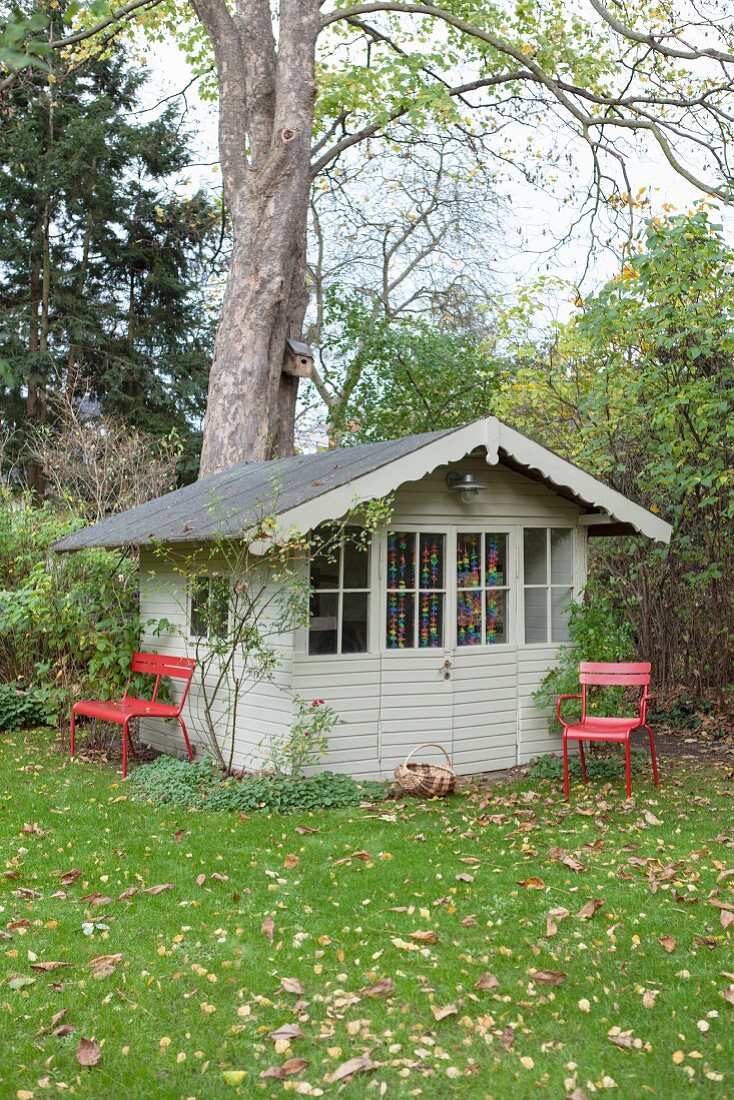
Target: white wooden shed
442,631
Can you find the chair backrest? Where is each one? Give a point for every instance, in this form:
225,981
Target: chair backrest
615,673
162,664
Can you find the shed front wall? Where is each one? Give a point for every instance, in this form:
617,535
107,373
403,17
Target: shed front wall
480,705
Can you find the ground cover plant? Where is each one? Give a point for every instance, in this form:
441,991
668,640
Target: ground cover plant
500,944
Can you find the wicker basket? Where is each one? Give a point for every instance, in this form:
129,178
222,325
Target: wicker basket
426,780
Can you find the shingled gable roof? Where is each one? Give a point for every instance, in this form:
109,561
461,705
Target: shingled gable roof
306,490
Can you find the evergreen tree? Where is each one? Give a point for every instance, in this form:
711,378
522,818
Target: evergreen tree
103,271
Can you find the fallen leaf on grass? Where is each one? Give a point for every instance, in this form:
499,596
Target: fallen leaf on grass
532,883
383,988
727,919
667,943
464,877
486,981
593,905
650,818
549,977
553,915
440,1013
268,928
364,856
88,1052
291,861
47,967
200,880
562,856
103,966
158,889
424,937
288,1069
649,996
234,1077
287,1031
64,1030
129,893
20,981
361,1064
508,1038
70,877
305,830
728,994
291,985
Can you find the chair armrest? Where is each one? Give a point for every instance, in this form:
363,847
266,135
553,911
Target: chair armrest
561,699
643,705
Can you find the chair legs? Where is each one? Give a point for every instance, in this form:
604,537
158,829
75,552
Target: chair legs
189,750
582,757
653,757
628,765
566,784
72,736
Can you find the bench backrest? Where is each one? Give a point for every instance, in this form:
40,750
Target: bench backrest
160,665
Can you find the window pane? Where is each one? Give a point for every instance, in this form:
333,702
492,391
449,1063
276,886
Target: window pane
354,622
535,555
218,606
561,555
536,614
400,620
430,626
322,634
469,617
469,560
495,560
324,566
496,620
400,559
431,567
199,604
356,560
560,612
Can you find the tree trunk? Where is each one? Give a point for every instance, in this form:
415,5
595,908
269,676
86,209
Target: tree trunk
266,107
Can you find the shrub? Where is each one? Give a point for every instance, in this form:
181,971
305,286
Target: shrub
598,633
200,786
22,709
68,623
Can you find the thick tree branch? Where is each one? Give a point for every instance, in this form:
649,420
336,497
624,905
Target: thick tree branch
254,25
220,26
655,42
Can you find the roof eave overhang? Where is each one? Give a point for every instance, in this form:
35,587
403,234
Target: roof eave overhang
498,439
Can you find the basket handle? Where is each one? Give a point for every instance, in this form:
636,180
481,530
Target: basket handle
429,745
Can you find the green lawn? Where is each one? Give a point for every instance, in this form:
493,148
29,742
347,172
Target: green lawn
196,990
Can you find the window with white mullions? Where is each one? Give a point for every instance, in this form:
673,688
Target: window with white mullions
548,583
339,606
416,590
209,606
482,588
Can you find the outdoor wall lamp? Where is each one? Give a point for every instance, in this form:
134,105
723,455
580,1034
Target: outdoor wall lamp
466,485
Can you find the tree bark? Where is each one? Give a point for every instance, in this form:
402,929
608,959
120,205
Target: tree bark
266,122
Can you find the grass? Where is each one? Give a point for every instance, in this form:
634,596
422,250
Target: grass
187,1009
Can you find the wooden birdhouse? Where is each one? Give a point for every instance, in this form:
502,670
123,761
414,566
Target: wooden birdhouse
298,359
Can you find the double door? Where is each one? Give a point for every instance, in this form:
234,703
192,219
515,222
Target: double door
449,666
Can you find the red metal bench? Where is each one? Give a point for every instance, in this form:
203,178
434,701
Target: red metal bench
589,728
150,664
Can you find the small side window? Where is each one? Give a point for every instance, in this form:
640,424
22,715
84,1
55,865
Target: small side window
209,609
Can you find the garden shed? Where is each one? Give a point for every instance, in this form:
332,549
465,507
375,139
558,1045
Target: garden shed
440,631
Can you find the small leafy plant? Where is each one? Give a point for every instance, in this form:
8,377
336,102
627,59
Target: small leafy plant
201,786
306,741
24,708
597,768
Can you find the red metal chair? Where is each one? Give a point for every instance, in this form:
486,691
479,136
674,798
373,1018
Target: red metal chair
590,728
120,712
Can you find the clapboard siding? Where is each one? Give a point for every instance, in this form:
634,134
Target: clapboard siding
264,710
